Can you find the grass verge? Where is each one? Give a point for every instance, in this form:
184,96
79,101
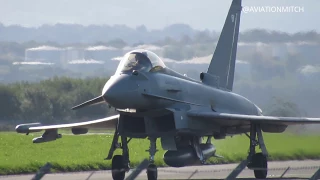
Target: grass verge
86,152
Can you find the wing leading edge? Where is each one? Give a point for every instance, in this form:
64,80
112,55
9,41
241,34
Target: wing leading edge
107,123
252,118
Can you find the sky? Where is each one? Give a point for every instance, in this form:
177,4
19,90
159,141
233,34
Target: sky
156,14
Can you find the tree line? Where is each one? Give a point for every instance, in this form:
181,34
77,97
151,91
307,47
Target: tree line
50,101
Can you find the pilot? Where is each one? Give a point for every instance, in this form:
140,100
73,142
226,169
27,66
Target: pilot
143,63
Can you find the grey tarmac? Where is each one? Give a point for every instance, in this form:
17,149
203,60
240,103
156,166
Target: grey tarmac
298,170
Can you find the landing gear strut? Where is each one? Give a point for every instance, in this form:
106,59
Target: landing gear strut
257,161
120,163
152,171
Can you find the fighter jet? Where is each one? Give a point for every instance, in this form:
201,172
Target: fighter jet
156,102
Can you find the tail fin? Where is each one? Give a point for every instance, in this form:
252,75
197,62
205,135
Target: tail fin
224,58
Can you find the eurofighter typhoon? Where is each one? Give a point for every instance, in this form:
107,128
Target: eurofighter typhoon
156,102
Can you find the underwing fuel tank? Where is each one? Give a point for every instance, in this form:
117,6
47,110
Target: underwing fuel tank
48,135
187,156
43,139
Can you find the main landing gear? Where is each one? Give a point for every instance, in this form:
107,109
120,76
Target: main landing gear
121,163
257,161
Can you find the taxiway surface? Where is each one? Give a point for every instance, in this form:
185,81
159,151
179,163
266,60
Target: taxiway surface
298,170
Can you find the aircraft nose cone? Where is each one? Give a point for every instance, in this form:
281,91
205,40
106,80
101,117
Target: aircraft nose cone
111,94
120,92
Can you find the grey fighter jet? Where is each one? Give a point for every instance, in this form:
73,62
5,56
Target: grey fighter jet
156,102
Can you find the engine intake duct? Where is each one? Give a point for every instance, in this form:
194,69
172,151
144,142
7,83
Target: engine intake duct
187,156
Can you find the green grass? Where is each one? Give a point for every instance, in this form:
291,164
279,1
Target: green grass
87,152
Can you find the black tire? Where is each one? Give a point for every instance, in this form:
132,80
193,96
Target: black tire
118,167
260,162
152,172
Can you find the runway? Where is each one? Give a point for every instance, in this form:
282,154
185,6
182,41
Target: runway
298,170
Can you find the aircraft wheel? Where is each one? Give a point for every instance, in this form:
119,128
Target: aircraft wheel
260,162
152,172
118,167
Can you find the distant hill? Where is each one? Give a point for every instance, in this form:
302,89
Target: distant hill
74,33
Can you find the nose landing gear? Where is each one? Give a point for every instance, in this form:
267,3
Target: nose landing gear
120,163
152,171
118,167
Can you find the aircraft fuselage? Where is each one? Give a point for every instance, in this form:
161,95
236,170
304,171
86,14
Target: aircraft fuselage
154,94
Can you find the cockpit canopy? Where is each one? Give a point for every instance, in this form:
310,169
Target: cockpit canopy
140,60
